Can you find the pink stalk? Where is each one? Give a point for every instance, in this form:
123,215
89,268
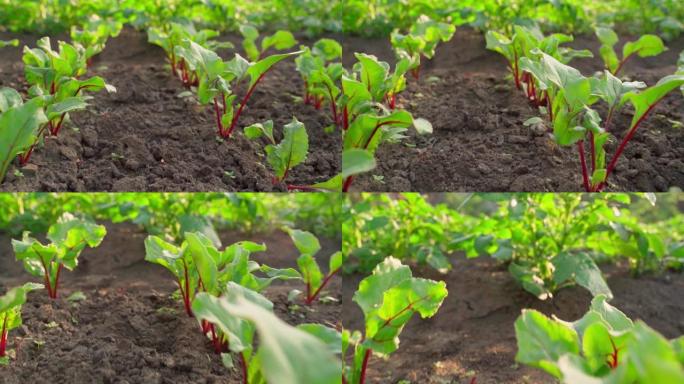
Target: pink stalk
585,177
364,366
310,298
243,364
3,336
242,106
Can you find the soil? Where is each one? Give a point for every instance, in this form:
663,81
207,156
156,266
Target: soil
129,329
145,138
472,335
479,141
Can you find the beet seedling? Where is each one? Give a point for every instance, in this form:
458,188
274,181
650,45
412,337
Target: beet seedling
172,35
10,314
216,78
308,245
389,298
290,152
54,76
603,346
421,40
94,35
646,46
569,95
68,237
19,126
285,354
321,75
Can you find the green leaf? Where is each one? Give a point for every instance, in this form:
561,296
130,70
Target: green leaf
580,268
257,70
646,46
643,102
653,357
9,98
67,105
356,161
16,296
306,242
203,260
542,341
279,40
291,151
255,131
18,129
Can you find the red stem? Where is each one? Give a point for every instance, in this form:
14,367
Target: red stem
59,269
333,105
242,106
347,183
622,63
186,296
345,118
593,151
3,336
516,72
47,277
312,297
364,366
585,178
623,144
243,364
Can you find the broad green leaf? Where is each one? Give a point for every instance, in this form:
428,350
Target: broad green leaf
204,262
580,268
644,101
291,151
654,358
356,161
542,341
647,45
279,40
18,129
306,242
257,70
16,296
9,98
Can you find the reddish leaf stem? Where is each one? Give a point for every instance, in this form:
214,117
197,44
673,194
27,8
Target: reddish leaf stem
3,336
243,364
242,106
364,366
312,297
585,177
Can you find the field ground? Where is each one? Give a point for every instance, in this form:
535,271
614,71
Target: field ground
473,335
479,141
146,138
129,329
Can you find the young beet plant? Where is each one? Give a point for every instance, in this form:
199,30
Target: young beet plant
368,123
9,43
604,346
421,40
199,266
172,35
280,40
19,126
322,74
571,96
645,46
54,76
94,35
522,44
308,245
389,298
68,237
10,314
285,354
218,77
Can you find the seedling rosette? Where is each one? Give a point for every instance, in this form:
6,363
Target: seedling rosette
308,246
10,314
68,237
93,37
421,40
645,46
216,78
388,298
604,346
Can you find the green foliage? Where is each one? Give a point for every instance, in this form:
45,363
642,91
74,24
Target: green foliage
314,279
94,35
290,152
68,237
322,74
604,346
199,266
10,314
19,126
280,40
9,43
547,241
645,46
285,354
388,298
421,40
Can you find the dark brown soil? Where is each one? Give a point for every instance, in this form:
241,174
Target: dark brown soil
480,143
129,329
146,138
472,335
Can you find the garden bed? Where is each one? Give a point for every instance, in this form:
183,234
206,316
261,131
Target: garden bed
146,138
129,329
472,334
480,143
